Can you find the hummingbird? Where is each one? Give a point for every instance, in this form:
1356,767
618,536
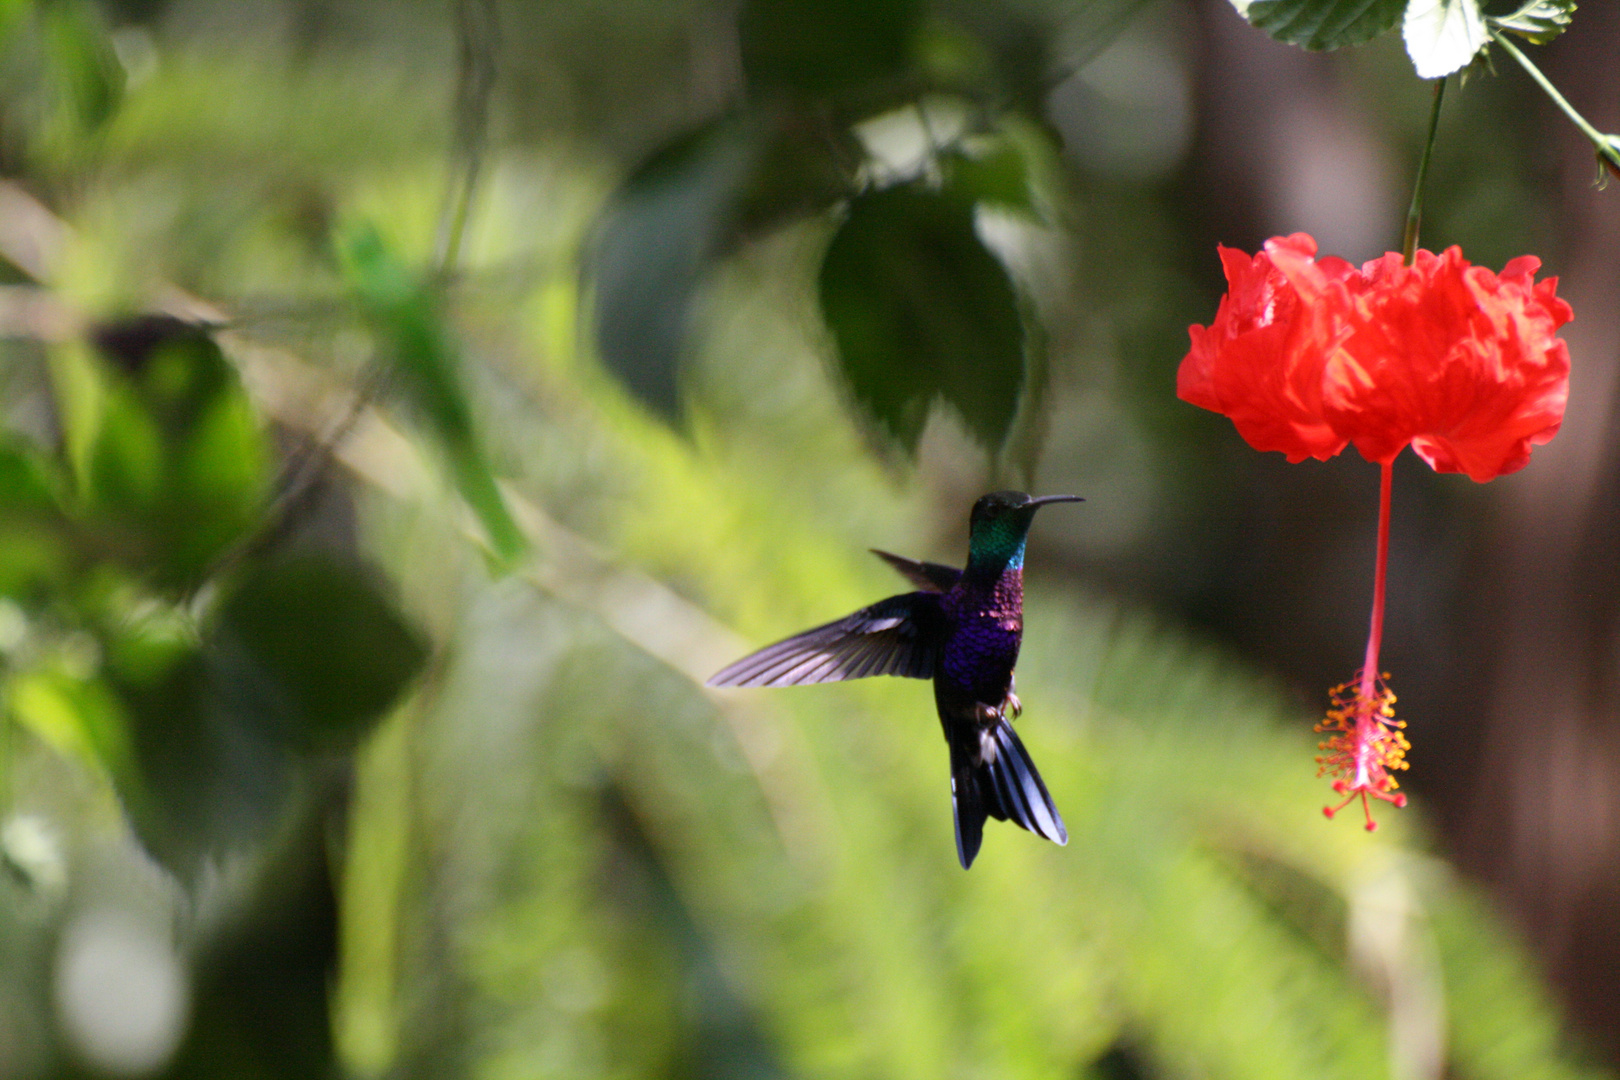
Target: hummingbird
962,629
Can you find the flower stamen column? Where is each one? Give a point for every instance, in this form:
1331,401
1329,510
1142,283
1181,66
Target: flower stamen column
1365,743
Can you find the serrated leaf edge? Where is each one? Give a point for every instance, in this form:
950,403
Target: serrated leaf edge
1538,21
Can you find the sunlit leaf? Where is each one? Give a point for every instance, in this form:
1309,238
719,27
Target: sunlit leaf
1442,36
1505,1022
74,713
405,310
921,311
1322,24
173,467
11,13
1539,21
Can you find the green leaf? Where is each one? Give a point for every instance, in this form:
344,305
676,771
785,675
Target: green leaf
999,177
1442,36
83,60
685,207
920,310
656,240
1322,24
35,539
1539,21
172,465
206,776
77,715
404,308
805,167
11,13
844,50
329,652
303,656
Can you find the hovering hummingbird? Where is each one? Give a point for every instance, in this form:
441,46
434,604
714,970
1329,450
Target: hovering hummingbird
962,629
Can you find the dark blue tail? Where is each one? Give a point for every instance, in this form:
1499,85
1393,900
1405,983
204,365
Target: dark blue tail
992,776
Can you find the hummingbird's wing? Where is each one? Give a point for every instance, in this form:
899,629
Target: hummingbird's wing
897,636
928,576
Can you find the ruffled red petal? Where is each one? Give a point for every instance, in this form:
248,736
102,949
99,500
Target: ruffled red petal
1462,363
1308,354
1260,362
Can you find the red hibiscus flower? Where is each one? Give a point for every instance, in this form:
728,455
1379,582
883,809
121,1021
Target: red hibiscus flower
1261,361
1306,355
1462,363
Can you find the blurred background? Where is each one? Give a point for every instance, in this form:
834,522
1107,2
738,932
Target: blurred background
408,405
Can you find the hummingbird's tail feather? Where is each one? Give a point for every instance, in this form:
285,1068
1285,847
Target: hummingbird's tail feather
996,778
967,806
1020,794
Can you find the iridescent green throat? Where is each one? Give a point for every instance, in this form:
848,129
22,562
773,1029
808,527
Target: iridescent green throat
998,546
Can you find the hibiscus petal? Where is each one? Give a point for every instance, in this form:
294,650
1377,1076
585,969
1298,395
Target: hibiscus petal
1259,362
1307,354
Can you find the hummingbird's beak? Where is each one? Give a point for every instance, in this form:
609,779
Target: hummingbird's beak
1044,499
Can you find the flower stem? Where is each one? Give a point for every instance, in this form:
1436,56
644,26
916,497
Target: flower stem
477,34
1608,146
1375,636
1414,214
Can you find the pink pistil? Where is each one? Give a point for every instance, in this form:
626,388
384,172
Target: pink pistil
1365,743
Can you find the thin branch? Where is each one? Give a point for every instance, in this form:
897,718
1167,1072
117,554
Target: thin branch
1414,214
478,41
1608,146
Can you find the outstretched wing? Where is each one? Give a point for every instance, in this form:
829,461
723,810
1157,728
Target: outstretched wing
897,636
929,576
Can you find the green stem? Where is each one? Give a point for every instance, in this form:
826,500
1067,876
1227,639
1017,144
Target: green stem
1414,213
477,34
1607,146
455,221
7,749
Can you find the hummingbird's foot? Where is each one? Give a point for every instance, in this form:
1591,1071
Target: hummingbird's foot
986,718
1012,705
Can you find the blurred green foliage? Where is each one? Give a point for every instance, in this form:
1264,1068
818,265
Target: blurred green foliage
412,773
921,311
404,311
189,705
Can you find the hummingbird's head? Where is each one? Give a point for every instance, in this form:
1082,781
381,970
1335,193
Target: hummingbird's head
1000,524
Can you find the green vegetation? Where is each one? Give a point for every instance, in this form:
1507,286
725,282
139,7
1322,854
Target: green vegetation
353,646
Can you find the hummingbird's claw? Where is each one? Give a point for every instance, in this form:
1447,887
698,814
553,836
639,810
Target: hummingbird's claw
1012,705
984,715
